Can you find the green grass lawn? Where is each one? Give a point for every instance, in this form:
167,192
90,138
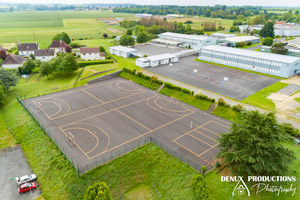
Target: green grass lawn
187,98
260,99
146,83
223,190
226,113
7,139
297,99
139,193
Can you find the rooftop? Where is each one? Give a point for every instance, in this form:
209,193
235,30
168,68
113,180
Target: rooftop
90,50
58,44
171,42
223,35
13,59
28,46
44,52
241,38
160,57
124,49
185,36
254,54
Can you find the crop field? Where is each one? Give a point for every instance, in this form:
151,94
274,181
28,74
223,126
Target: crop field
42,26
197,22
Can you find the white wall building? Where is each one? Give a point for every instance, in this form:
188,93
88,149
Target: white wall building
12,61
141,15
234,40
44,55
268,63
154,61
188,41
122,51
91,54
58,46
25,49
222,36
281,30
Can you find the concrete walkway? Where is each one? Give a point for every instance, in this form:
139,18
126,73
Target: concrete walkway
217,96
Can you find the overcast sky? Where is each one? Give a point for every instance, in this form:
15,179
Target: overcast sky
285,3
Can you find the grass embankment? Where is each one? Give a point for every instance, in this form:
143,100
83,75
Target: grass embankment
240,69
226,113
6,139
260,99
297,99
153,85
187,98
223,190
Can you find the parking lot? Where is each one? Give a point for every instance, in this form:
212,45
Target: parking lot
239,84
14,164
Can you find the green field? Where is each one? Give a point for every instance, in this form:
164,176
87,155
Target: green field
42,26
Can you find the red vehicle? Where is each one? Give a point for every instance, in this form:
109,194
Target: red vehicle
27,187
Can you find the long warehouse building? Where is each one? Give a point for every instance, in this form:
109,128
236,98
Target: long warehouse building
268,63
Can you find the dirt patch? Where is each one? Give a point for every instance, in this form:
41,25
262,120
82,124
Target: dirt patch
9,45
292,80
114,30
94,71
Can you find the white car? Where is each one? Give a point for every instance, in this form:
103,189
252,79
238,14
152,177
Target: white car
26,179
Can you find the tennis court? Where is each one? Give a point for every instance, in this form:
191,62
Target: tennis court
96,120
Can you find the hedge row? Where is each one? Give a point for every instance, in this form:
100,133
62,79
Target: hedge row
86,63
141,75
199,96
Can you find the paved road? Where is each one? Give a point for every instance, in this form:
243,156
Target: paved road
12,164
217,96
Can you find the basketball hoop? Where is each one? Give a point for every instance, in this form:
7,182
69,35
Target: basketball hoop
70,138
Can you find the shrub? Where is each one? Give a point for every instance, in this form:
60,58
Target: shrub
186,90
237,45
217,164
268,41
221,102
200,188
238,108
171,86
204,169
97,191
204,97
289,129
243,44
249,43
96,62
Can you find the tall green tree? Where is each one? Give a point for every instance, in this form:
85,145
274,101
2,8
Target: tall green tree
8,78
279,48
46,69
129,32
127,40
254,146
28,66
62,36
65,64
141,38
98,191
267,30
2,94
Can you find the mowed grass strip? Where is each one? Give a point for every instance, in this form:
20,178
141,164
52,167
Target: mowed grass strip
226,113
186,98
260,99
6,138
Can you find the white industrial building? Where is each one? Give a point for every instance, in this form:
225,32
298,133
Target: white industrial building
222,36
234,40
141,15
122,51
154,61
280,30
187,41
268,63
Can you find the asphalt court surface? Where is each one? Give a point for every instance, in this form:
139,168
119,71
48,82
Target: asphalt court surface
239,86
152,50
105,116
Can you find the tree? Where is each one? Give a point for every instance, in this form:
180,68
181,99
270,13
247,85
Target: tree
267,30
8,78
46,69
105,35
62,36
279,48
101,49
27,67
254,146
68,49
2,94
2,53
129,32
234,29
98,191
200,187
127,40
65,64
268,41
141,38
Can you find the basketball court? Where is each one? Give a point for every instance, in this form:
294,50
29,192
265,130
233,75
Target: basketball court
92,121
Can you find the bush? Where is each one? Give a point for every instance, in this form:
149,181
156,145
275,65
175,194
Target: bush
96,62
249,43
243,44
204,97
217,164
171,86
221,102
200,188
98,191
289,129
238,108
237,45
186,90
268,41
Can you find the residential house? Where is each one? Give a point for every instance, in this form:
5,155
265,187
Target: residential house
44,55
25,49
13,61
58,46
91,54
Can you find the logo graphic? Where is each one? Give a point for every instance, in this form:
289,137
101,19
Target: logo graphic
241,188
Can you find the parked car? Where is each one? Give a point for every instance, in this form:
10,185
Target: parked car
27,187
26,179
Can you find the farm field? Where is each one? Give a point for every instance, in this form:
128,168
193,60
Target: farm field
23,27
